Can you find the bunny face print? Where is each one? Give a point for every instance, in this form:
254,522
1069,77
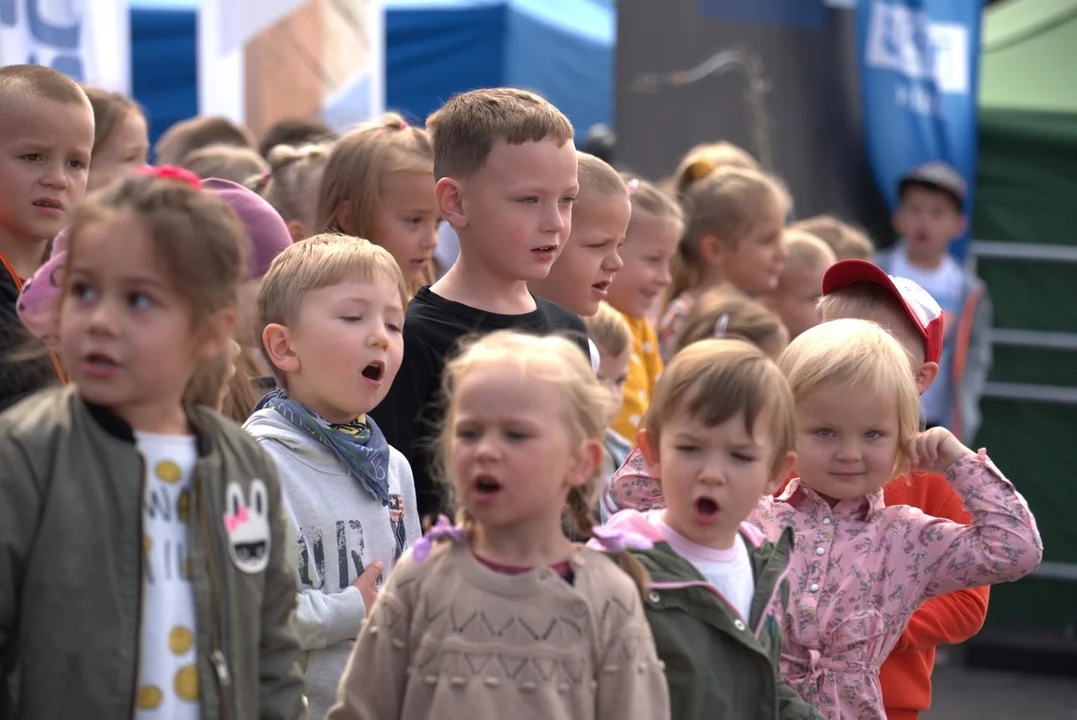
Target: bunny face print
246,521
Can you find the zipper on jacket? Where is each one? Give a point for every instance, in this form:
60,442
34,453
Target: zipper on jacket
216,655
141,581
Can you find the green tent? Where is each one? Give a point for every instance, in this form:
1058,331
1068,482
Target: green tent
1025,248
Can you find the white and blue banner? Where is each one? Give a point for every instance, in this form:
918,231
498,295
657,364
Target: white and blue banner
919,74
87,40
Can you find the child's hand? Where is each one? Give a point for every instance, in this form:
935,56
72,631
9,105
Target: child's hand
367,584
935,450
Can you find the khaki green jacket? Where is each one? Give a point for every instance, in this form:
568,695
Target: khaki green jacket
71,568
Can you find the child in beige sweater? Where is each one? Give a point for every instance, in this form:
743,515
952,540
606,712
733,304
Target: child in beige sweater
501,615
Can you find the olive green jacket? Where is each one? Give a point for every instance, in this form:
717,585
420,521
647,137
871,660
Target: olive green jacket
71,563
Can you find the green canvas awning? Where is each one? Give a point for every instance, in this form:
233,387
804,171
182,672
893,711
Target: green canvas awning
1025,230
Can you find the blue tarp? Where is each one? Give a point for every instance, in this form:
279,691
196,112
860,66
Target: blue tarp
562,49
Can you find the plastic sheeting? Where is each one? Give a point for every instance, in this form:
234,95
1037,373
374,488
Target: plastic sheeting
562,49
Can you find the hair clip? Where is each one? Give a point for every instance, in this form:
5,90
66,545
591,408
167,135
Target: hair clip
443,528
617,541
171,172
633,186
403,124
700,169
721,325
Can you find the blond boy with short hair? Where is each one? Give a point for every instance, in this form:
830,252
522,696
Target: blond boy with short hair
506,173
331,310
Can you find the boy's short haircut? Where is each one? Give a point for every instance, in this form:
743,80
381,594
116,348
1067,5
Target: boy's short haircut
18,82
465,129
848,241
805,250
597,176
228,162
609,330
315,263
189,135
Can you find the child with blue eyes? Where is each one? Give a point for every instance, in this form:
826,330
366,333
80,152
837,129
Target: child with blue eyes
148,527
331,316
861,569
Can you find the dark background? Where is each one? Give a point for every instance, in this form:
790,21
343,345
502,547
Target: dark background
812,106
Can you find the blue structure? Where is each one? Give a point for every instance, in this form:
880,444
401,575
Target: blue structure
562,49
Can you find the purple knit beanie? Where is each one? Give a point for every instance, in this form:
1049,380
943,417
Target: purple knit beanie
266,229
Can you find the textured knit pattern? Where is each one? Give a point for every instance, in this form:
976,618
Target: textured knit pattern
451,638
644,367
860,569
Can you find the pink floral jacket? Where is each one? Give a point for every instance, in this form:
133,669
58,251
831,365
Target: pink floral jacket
861,569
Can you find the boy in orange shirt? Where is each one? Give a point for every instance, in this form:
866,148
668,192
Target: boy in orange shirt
859,289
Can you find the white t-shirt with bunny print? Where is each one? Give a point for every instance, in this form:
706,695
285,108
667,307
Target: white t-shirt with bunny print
168,664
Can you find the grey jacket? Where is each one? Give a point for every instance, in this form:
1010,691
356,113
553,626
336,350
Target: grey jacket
972,356
71,568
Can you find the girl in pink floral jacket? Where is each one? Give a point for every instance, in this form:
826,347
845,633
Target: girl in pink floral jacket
861,569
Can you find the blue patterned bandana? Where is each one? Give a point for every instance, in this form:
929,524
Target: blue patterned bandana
359,445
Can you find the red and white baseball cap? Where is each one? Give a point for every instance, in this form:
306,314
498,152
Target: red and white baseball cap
922,309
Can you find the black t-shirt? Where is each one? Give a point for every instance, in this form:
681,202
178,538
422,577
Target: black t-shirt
411,414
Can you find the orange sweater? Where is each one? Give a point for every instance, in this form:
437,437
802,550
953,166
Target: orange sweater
947,620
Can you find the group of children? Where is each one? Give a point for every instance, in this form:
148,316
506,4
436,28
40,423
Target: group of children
747,531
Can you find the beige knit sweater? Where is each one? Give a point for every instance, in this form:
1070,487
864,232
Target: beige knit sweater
452,639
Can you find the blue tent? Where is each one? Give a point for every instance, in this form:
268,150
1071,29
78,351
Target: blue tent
562,49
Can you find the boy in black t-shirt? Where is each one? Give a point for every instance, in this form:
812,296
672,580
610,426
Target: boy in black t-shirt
506,169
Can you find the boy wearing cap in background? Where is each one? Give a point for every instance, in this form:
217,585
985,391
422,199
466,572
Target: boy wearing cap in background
858,289
928,219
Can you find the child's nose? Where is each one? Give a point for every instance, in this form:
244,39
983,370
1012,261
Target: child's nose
849,450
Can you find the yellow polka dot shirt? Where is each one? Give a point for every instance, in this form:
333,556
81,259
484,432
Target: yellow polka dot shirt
644,367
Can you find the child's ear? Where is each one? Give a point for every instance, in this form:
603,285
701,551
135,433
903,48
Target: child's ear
342,216
276,342
451,202
649,451
925,375
962,226
215,332
590,459
710,249
785,470
297,230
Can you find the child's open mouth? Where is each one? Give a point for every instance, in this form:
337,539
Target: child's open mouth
705,510
374,371
544,253
49,204
600,289
98,364
486,488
